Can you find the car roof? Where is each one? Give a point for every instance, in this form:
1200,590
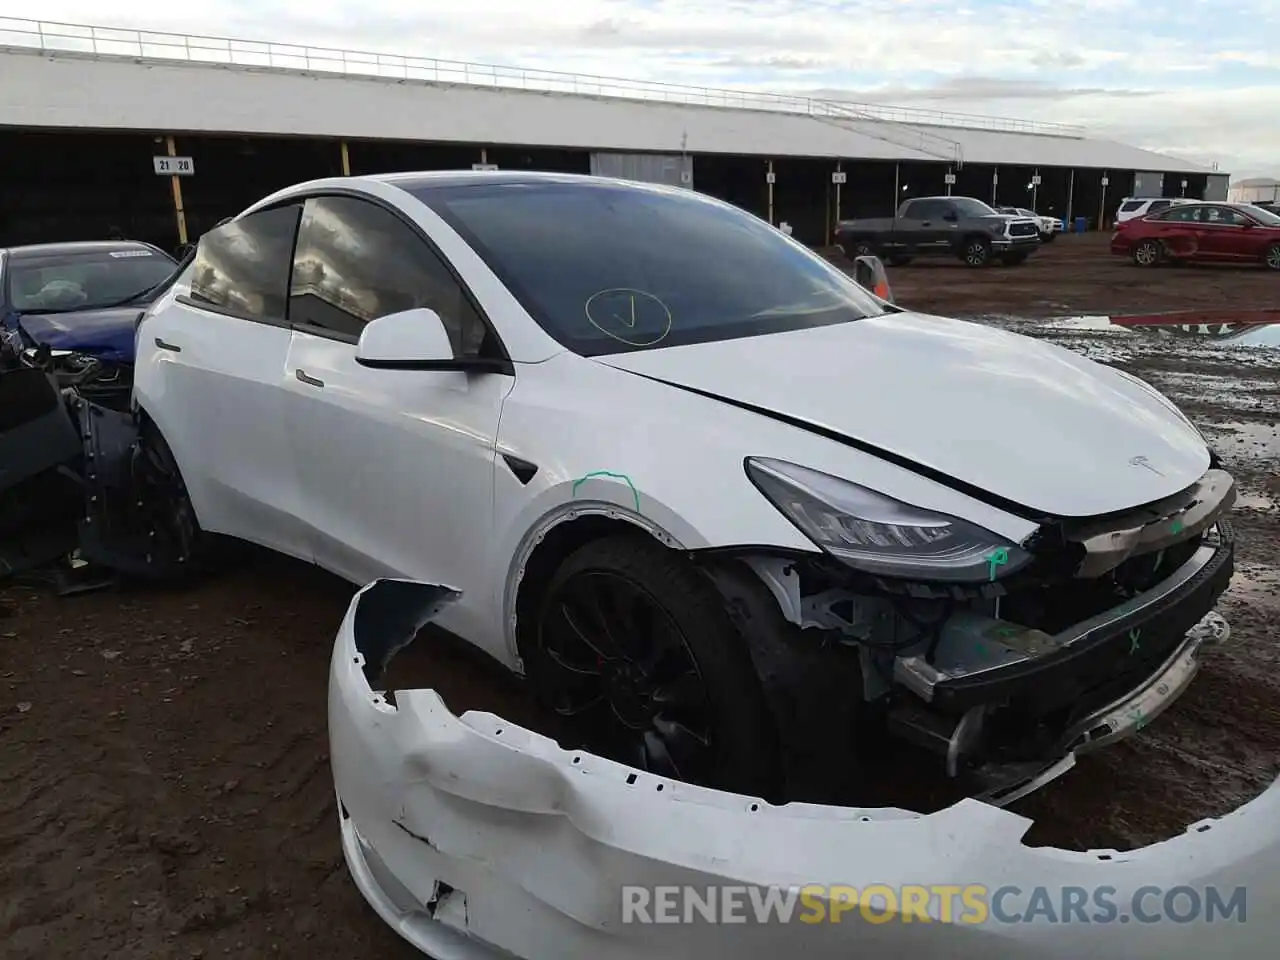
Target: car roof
443,179
33,251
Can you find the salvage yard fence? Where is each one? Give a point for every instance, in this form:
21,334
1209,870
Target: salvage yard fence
53,37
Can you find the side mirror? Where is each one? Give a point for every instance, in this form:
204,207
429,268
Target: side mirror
412,339
869,272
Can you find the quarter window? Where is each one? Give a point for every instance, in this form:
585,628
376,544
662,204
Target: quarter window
1131,206
242,267
356,262
1177,215
1160,205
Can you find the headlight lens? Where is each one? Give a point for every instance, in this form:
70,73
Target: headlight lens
879,534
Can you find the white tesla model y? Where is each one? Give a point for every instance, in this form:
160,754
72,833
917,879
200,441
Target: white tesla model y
735,516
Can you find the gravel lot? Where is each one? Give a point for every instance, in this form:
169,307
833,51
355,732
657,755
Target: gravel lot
166,785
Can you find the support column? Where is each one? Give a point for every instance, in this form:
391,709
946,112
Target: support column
176,184
897,187
1071,191
346,160
995,184
1102,202
769,180
1035,190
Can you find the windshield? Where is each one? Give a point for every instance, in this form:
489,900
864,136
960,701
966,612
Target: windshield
63,282
608,268
1023,211
1263,216
969,207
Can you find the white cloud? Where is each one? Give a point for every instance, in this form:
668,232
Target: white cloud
1201,80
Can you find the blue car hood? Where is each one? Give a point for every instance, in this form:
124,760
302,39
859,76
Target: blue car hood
106,334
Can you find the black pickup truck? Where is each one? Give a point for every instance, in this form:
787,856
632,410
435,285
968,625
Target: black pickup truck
942,226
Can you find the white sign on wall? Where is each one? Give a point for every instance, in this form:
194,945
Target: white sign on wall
1105,181
995,177
1035,181
839,177
949,179
770,178
174,166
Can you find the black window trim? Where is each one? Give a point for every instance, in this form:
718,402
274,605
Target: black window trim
501,364
187,300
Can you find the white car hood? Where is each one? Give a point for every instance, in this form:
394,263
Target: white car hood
1029,422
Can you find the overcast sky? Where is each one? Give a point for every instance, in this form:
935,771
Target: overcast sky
1197,78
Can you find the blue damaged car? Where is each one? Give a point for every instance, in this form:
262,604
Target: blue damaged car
72,308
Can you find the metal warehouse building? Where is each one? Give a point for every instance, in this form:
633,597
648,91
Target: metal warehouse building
88,116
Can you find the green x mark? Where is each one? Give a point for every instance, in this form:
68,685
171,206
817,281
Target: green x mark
1134,634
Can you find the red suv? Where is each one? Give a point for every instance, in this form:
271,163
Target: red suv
1201,233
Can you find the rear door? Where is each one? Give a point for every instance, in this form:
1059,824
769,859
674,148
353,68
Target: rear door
1179,229
924,230
396,466
211,365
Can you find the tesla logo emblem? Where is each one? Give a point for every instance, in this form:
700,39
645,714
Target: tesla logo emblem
1144,462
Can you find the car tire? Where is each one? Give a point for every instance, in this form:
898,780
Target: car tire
976,252
1271,260
610,675
1148,253
179,548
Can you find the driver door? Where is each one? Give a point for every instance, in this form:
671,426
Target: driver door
396,467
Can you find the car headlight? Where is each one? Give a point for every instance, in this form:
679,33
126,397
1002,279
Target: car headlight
878,534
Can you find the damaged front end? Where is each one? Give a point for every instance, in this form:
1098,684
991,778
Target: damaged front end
1004,680
474,837
81,498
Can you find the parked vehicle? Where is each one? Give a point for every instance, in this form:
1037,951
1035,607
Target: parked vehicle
942,226
706,507
1049,227
1132,208
1201,233
72,308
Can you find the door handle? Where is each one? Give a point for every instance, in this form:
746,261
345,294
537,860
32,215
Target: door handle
172,347
309,381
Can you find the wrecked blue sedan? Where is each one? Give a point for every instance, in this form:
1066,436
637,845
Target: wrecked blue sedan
72,308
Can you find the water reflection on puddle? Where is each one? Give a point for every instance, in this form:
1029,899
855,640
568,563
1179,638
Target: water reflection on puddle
1237,329
1240,439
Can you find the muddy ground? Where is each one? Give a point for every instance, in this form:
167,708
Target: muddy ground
166,790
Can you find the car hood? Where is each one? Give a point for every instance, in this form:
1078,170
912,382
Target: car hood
1021,419
107,334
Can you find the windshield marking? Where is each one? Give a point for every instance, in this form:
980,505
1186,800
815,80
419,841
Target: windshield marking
623,312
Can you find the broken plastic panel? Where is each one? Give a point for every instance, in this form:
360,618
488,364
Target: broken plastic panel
474,837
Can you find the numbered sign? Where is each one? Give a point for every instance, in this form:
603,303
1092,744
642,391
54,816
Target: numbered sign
1035,181
1105,181
770,178
949,179
839,177
1184,184
995,177
174,166
686,176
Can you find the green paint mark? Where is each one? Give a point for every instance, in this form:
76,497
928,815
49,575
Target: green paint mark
997,559
1177,526
615,476
1134,634
1135,714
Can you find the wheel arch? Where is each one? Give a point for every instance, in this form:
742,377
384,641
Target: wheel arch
553,539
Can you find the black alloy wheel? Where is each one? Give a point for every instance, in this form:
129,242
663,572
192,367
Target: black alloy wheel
616,662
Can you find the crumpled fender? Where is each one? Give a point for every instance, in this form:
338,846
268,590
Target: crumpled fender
474,837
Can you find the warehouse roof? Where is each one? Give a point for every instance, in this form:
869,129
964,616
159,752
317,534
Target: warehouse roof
143,81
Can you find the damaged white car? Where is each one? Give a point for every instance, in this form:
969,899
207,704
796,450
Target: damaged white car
739,521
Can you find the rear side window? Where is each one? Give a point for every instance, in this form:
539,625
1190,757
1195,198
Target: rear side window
242,267
1160,205
1131,206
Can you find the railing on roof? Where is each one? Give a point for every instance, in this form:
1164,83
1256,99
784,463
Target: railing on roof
52,36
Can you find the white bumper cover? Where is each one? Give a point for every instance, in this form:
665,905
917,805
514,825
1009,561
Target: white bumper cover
475,838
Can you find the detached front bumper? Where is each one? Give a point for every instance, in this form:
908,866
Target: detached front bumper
476,838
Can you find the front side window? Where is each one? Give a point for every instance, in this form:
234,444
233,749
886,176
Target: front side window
242,267
608,268
357,261
65,282
1177,215
968,207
